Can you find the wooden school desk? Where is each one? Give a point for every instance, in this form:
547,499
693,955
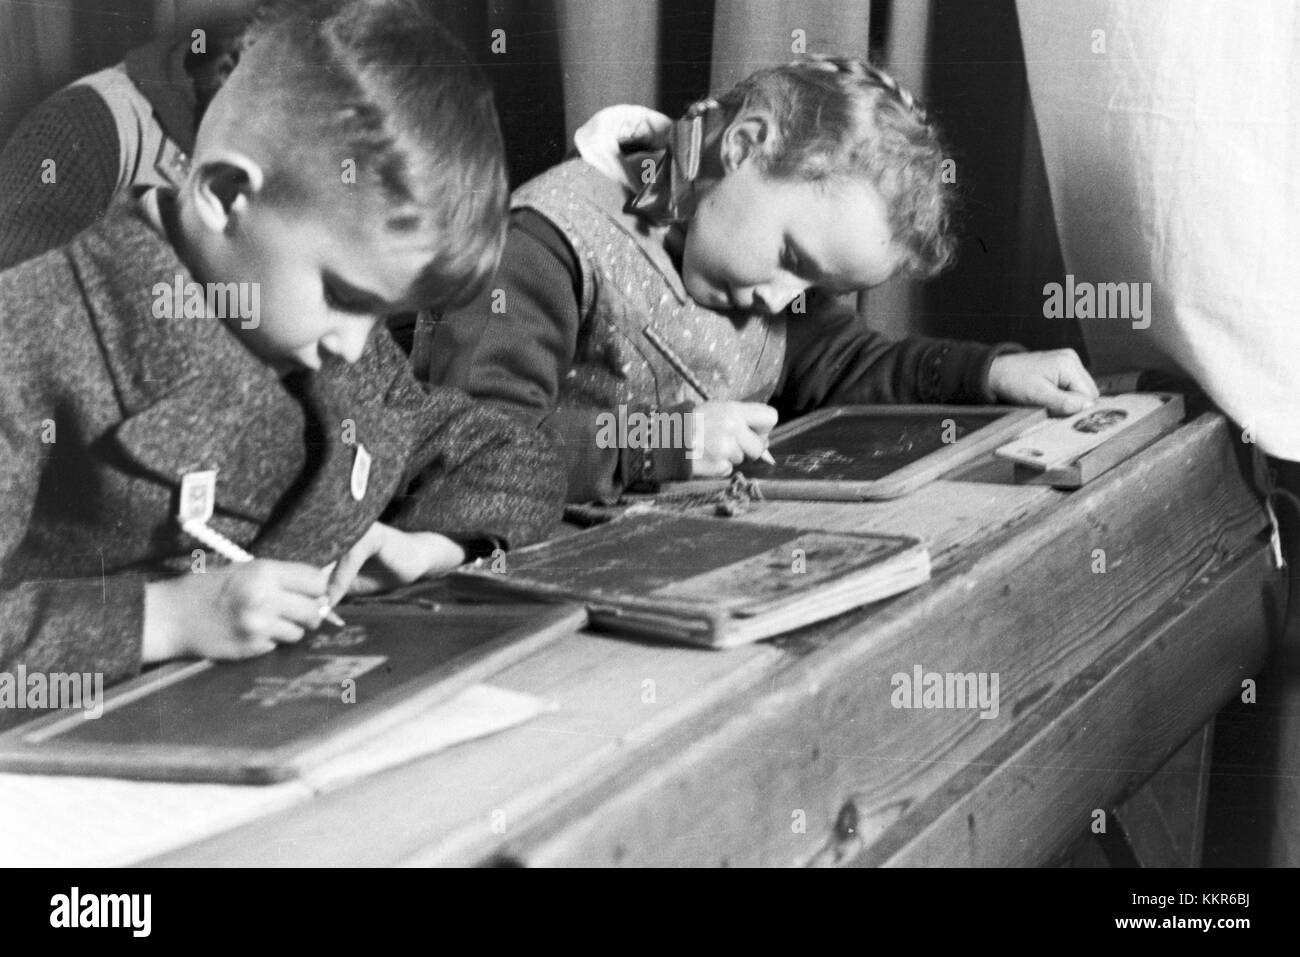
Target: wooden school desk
790,752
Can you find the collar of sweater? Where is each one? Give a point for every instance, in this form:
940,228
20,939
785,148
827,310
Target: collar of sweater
158,71
128,269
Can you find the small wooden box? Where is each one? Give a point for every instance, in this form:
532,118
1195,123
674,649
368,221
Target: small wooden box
1112,452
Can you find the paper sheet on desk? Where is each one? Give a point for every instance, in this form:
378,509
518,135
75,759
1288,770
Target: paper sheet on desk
1169,135
61,821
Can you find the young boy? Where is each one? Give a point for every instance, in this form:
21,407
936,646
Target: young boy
351,167
806,181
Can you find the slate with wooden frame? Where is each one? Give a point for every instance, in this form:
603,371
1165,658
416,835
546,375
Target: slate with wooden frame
860,452
274,717
704,581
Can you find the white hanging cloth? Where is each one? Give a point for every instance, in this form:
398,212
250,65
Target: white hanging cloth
1171,136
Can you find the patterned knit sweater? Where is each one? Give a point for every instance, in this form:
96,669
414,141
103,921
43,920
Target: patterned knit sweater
572,325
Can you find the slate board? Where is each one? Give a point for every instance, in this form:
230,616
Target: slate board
272,717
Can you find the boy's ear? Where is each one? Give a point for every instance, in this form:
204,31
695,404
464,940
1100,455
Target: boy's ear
747,136
222,187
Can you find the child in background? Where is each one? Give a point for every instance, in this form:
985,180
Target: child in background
351,167
806,181
131,124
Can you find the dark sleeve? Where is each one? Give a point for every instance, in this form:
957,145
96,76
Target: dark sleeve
75,130
514,345
833,357
476,474
515,342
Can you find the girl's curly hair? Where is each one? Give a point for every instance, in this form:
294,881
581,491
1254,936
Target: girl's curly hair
840,118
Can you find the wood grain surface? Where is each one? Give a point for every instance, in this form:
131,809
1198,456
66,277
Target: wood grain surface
790,752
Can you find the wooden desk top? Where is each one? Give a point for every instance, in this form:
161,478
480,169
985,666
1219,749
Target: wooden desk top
790,752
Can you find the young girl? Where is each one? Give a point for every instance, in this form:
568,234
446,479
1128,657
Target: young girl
720,264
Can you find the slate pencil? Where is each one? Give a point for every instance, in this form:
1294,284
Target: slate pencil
689,377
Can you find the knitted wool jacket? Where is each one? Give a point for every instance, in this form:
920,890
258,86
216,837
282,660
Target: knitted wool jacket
104,407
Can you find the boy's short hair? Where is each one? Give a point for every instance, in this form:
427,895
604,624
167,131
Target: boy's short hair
378,89
839,117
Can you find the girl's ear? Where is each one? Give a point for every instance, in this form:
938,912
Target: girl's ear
748,135
222,187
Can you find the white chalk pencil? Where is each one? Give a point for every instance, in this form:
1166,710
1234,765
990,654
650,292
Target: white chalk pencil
230,551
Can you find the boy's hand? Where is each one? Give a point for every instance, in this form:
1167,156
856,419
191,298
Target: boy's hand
233,612
385,557
1056,380
728,433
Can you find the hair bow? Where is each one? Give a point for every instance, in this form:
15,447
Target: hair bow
668,195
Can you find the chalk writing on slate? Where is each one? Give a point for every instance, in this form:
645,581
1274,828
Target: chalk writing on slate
863,447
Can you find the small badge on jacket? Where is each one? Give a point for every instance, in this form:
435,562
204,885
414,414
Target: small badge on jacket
360,473
199,496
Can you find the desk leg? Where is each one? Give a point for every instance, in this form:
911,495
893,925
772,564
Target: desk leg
1163,821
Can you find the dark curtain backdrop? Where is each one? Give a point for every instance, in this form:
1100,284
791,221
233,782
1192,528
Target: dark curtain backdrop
564,59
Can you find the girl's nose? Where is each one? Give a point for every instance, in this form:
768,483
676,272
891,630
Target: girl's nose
776,298
350,342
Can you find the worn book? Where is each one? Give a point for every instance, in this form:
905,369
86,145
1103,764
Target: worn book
705,581
283,714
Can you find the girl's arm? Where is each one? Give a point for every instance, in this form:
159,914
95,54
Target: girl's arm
514,344
833,357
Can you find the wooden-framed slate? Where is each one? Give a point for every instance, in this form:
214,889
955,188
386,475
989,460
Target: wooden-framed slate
704,581
273,717
861,452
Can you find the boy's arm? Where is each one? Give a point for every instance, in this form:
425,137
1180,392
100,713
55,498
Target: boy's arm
58,173
55,624
477,475
86,625
513,345
834,358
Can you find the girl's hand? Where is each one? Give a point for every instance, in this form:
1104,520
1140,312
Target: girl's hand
726,434
385,557
1056,380
232,612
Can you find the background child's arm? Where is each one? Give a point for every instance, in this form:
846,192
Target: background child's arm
58,173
